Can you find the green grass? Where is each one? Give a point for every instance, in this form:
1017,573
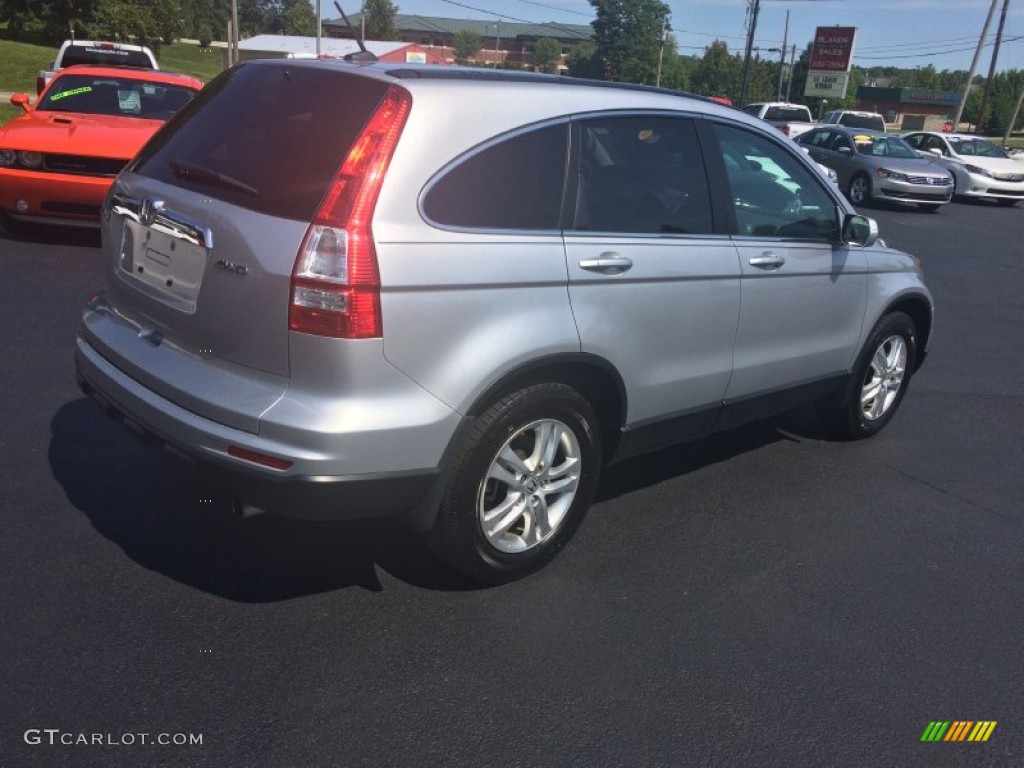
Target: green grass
19,63
204,63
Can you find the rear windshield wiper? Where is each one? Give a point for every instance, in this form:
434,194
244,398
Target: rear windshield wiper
190,172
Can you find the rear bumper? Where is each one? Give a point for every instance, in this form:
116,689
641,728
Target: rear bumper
295,492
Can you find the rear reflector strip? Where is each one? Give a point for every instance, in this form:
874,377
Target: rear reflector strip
258,458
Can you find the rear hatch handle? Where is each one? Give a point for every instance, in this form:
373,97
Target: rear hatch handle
154,213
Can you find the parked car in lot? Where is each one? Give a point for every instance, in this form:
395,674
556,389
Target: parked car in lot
455,295
791,119
871,121
979,167
97,53
58,159
879,166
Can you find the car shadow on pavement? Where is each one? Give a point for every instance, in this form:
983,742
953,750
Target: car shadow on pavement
169,519
79,237
651,469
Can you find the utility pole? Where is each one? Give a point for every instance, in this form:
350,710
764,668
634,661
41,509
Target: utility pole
974,67
991,69
318,28
755,9
782,61
1013,120
661,52
497,46
792,63
233,42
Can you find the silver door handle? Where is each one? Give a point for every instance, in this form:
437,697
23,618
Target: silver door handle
767,260
607,264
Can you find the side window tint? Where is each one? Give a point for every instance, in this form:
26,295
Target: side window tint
642,175
514,184
914,141
774,194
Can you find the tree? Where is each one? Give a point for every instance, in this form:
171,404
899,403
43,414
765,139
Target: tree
583,61
547,54
718,73
628,35
300,19
380,20
467,45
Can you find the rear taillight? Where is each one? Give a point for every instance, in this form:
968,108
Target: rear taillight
335,287
786,129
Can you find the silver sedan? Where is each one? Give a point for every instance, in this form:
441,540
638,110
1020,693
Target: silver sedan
875,165
979,167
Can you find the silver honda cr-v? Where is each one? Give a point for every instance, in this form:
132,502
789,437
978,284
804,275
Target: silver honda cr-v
454,295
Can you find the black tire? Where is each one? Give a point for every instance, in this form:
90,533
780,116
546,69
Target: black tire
854,414
852,191
516,422
929,207
1006,202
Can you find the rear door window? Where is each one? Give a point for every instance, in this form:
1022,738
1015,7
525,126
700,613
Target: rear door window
641,174
516,183
270,141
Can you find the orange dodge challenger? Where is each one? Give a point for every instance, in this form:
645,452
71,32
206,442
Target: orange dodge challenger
57,160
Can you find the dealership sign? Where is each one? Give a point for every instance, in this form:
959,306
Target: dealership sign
831,59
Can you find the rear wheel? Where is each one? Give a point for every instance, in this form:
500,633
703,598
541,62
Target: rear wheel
859,191
521,484
879,382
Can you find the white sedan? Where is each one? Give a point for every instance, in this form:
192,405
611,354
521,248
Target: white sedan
979,167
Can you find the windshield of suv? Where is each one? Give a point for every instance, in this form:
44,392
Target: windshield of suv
884,146
976,147
871,122
124,97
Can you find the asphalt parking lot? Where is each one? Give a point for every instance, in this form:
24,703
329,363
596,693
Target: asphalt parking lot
762,598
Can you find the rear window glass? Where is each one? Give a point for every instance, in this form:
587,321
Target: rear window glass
793,114
105,57
863,121
514,184
265,136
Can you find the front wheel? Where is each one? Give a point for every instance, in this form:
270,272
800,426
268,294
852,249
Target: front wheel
859,191
520,485
879,382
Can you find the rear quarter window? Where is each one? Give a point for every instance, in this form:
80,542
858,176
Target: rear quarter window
516,183
271,137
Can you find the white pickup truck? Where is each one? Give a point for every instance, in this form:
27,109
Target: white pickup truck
100,54
791,119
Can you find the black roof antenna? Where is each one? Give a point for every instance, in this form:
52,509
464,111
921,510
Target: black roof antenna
362,54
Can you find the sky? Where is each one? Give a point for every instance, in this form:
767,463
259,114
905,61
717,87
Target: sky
904,33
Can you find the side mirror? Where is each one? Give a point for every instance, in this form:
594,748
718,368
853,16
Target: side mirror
20,100
859,230
935,151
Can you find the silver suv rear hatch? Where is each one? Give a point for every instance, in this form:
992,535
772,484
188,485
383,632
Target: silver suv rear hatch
202,230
